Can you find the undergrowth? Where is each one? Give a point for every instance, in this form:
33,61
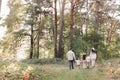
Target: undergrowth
56,69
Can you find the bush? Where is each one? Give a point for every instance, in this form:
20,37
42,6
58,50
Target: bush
44,61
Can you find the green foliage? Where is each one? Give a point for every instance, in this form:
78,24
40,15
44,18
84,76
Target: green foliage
29,22
82,42
20,34
93,39
44,61
12,22
79,46
15,16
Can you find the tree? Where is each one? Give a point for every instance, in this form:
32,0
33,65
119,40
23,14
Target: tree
60,43
55,28
85,24
12,22
0,4
71,22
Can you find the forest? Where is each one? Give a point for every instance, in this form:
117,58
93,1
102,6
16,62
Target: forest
41,32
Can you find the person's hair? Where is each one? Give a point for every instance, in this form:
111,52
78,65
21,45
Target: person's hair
71,49
94,51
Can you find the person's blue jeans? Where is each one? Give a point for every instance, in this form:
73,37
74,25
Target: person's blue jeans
71,66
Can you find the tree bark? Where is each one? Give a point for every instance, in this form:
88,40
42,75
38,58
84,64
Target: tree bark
0,5
60,43
38,38
32,43
97,3
111,31
71,23
55,28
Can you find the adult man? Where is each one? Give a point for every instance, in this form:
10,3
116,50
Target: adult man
71,57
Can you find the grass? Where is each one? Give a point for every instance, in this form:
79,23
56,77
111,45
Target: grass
56,71
77,74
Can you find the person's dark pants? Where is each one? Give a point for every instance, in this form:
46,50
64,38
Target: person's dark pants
71,66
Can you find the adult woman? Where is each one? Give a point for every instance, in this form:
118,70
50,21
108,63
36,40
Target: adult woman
93,57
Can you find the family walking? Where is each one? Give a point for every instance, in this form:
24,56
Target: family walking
87,61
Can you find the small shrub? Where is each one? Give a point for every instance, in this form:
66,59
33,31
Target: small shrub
44,61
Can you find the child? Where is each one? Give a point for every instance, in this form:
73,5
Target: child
78,63
84,60
88,61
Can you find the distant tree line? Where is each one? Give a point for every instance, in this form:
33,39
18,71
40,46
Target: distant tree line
76,24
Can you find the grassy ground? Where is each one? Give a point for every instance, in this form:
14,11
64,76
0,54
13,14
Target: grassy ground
63,73
109,70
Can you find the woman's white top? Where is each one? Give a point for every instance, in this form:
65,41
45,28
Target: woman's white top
93,55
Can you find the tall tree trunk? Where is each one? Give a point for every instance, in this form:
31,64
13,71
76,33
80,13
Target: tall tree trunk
38,38
71,23
32,43
60,43
110,31
96,24
87,17
97,3
0,5
55,28
41,25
